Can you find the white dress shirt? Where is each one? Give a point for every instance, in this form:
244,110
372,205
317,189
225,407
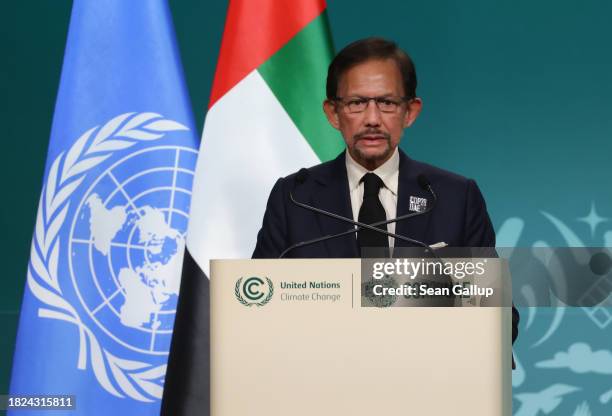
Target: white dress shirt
389,173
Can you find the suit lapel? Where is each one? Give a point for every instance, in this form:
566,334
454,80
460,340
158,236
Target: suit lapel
415,228
333,196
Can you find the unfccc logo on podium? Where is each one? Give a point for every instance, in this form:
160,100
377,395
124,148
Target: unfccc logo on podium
254,291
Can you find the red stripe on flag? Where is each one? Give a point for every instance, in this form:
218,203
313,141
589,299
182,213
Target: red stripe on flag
254,31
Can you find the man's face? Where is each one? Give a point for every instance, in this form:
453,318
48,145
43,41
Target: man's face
372,135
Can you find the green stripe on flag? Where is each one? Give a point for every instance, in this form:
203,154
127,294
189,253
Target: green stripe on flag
296,74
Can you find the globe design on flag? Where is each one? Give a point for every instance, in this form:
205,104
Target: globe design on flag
126,246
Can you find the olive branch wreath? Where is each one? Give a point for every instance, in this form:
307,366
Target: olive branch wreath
66,173
247,303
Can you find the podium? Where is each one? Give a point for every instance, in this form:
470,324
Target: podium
293,337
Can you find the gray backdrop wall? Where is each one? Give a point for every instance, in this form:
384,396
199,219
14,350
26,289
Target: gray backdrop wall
516,95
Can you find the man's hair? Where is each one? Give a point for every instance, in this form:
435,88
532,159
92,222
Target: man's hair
370,49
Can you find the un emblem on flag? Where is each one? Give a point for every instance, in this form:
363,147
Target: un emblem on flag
126,245
108,247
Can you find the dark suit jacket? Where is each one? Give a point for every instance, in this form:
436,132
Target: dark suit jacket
460,218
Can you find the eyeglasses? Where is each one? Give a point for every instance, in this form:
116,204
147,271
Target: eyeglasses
386,104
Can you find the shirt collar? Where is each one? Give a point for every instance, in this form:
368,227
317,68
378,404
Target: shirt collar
388,172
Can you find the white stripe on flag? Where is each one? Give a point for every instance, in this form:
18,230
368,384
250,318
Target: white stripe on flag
249,141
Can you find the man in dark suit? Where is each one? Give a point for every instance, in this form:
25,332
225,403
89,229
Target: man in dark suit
371,99
459,220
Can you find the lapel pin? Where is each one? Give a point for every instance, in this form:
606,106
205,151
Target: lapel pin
417,204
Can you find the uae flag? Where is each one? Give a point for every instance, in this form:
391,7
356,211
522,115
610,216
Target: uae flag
265,120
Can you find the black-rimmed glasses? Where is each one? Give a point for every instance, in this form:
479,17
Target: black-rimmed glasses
358,104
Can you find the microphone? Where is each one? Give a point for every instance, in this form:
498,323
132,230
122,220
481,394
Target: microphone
423,182
301,176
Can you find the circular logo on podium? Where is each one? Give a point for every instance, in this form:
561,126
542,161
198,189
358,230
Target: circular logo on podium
254,291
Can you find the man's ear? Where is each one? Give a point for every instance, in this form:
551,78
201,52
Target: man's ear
414,108
329,108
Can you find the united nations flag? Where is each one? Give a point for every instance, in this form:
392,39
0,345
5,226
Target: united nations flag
107,250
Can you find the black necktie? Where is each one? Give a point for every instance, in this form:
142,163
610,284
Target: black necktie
372,211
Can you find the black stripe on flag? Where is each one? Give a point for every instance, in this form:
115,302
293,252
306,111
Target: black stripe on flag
187,384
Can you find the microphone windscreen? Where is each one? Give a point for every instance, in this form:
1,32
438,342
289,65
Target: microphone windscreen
423,182
301,176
